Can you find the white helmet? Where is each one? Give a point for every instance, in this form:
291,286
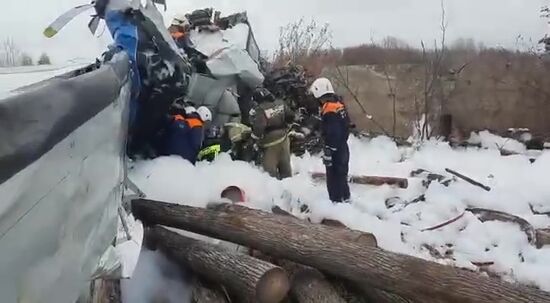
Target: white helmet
204,113
180,20
190,110
321,87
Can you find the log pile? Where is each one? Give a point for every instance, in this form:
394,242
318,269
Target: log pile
249,279
307,255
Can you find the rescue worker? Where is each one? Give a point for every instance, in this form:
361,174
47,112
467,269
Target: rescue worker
270,119
335,129
232,138
179,30
159,72
211,146
235,138
185,134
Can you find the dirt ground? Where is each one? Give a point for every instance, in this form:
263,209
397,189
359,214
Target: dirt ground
485,95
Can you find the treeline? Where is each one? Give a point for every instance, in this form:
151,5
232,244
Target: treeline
391,50
395,51
11,55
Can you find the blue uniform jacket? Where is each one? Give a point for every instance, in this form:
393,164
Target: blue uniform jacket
184,137
335,125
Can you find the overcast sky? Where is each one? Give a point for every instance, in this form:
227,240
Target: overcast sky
494,22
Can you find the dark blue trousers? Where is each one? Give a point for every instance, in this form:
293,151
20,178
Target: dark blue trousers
337,175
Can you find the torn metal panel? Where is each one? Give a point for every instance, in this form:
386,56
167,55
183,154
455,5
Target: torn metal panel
204,90
33,122
236,62
63,186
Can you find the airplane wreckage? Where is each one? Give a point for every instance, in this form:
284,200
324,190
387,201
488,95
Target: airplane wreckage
64,218
64,167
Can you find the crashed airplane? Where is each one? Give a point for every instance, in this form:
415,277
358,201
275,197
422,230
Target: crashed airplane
63,182
63,173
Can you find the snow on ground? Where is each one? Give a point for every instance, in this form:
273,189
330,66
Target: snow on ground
515,183
488,140
12,78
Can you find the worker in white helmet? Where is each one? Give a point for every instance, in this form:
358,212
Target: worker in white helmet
335,128
185,133
179,30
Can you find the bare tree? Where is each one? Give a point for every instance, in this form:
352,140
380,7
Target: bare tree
10,52
391,43
342,79
545,13
300,40
433,70
392,92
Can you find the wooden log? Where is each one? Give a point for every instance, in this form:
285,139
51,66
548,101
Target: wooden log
315,245
321,286
468,179
308,285
249,279
351,295
204,293
340,230
348,292
378,181
369,180
343,291
543,237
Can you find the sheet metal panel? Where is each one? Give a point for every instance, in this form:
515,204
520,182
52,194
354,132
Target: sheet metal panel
58,210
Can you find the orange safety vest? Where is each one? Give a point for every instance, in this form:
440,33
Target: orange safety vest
177,35
194,122
179,118
332,107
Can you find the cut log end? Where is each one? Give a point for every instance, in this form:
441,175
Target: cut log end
273,286
367,239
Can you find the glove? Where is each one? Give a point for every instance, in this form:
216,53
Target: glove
255,147
328,152
297,135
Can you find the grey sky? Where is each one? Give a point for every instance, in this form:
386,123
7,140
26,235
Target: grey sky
495,22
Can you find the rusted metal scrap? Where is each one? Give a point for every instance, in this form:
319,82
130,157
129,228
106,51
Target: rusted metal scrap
438,226
468,179
430,177
397,204
485,215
